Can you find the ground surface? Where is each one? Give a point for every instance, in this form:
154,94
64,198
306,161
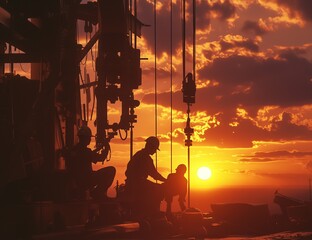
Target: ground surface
276,236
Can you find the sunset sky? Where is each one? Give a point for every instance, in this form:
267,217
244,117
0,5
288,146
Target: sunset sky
253,112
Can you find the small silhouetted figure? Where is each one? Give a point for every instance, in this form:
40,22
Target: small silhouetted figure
146,194
176,184
79,161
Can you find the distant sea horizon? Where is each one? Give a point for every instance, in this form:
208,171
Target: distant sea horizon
203,198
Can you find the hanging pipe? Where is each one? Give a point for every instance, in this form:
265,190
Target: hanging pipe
189,89
188,142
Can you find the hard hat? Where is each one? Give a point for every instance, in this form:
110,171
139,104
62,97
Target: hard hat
181,168
84,131
152,141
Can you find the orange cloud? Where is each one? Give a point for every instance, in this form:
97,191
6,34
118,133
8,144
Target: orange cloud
289,12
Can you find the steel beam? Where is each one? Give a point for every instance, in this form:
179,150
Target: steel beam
88,46
19,58
19,32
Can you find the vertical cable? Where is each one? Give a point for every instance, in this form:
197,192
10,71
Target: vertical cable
194,77
155,71
171,90
135,46
183,39
183,73
130,22
189,164
135,23
194,40
11,61
310,191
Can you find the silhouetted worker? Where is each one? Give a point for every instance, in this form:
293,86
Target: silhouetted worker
176,184
79,161
146,194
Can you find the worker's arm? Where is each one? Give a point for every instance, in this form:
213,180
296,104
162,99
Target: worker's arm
104,149
182,195
98,157
154,173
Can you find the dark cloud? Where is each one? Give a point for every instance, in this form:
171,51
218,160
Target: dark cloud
286,130
279,154
146,15
246,132
274,156
203,15
254,27
204,12
294,51
291,179
226,136
283,81
225,10
245,44
301,7
161,72
254,159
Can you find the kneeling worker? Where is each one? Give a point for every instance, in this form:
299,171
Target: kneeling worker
176,184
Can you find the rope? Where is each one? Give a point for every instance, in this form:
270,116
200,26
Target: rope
155,72
188,141
194,40
183,76
11,61
135,46
171,90
93,67
183,38
135,23
129,18
93,106
92,56
86,57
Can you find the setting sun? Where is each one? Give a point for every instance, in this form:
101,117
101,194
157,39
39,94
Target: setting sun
204,173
